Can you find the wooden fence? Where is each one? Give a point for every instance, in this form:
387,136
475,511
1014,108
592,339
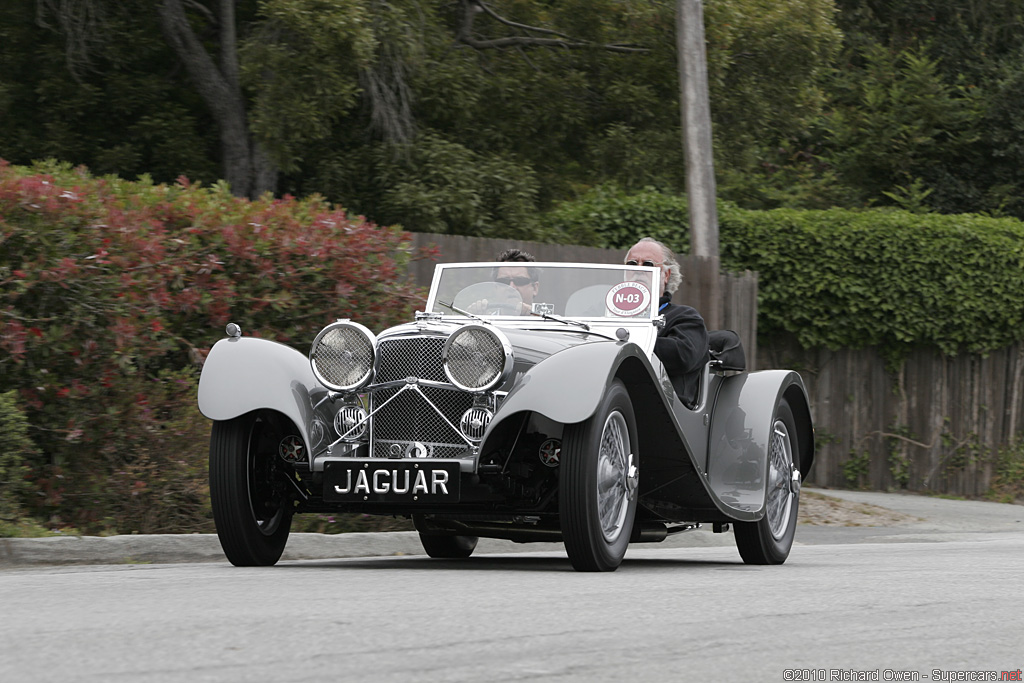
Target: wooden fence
726,301
935,425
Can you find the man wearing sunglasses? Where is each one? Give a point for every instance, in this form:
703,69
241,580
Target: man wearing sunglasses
682,344
523,279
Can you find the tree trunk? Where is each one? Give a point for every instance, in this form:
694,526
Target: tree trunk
247,168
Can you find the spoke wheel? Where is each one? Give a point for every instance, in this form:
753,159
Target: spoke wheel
598,484
769,540
252,508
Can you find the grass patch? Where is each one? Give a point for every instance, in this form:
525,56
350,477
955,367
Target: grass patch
29,528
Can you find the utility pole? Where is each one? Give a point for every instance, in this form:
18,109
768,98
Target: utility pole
696,124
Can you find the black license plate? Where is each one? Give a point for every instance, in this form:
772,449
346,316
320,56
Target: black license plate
426,481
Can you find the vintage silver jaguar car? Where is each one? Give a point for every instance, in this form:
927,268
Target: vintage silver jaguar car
551,420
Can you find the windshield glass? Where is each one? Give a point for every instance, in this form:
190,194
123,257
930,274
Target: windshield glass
523,289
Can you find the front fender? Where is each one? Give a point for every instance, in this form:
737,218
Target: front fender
741,430
243,374
567,386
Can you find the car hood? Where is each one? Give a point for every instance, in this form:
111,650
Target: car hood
531,346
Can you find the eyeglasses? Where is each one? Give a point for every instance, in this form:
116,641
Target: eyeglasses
517,281
645,262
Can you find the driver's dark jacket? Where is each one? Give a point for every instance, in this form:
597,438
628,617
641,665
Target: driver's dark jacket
682,347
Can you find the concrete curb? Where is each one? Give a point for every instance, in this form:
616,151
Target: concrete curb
173,549
141,549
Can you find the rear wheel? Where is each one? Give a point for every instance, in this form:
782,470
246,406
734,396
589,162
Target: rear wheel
597,484
769,540
444,546
251,502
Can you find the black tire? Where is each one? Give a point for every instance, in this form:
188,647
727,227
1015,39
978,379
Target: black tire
597,494
252,506
769,540
442,546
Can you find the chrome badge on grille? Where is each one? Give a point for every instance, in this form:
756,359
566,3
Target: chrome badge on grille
410,450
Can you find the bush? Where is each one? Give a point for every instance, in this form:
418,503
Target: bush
111,294
15,449
844,278
1008,482
884,278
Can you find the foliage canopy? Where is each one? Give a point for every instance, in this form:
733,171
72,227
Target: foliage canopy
355,98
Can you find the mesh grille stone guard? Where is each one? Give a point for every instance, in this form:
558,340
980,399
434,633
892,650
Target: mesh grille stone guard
415,416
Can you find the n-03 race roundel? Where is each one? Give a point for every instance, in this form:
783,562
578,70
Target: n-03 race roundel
628,298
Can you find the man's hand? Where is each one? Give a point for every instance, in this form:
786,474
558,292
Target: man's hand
478,307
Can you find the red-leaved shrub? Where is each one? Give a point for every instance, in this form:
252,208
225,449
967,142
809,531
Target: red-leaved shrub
111,294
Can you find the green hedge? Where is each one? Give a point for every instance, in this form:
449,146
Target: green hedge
843,278
111,294
890,279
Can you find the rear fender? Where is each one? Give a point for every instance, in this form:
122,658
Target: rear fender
242,374
680,479
741,429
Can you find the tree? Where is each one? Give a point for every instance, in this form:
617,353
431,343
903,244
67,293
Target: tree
899,130
768,63
124,111
973,49
247,166
532,100
88,27
519,35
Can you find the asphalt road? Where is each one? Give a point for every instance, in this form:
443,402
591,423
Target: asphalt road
939,594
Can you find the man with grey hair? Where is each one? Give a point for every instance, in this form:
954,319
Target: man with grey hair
682,344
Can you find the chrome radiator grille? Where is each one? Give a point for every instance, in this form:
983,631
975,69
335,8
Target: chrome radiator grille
410,357
409,418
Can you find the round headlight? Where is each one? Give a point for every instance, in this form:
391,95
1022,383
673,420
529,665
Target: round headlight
342,356
477,357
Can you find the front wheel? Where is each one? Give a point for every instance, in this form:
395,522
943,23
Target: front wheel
769,540
597,493
252,507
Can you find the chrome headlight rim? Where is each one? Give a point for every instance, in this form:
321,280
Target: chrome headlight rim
507,360
366,377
